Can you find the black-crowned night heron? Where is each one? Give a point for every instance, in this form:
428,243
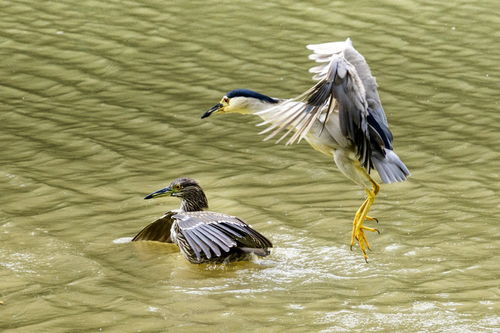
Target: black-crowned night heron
340,116
202,236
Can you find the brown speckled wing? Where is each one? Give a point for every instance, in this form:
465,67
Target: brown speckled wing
158,230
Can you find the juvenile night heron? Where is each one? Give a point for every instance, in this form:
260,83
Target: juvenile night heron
202,236
340,116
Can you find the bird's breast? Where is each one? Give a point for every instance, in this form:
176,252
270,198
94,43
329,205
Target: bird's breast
173,233
326,136
322,147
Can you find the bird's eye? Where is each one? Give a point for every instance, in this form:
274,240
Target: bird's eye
177,187
226,100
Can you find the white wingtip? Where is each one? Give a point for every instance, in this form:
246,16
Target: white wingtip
328,48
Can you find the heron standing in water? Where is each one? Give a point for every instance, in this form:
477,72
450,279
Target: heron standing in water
341,116
202,236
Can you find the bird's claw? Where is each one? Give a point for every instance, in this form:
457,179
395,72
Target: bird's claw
358,235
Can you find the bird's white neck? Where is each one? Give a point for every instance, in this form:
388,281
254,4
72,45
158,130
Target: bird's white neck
249,105
255,106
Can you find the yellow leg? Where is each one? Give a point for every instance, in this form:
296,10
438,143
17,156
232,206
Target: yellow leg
357,218
362,215
355,222
353,170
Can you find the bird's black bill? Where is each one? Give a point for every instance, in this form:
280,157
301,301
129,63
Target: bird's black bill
160,193
211,110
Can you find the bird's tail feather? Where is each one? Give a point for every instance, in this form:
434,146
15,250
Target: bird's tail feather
390,167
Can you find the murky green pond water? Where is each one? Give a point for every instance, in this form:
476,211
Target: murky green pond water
100,105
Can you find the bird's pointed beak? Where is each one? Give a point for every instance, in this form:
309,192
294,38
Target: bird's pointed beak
213,109
164,192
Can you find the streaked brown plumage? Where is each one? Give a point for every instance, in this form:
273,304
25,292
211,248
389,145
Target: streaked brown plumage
202,236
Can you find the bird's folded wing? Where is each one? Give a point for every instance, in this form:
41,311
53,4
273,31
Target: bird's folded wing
365,85
212,233
158,230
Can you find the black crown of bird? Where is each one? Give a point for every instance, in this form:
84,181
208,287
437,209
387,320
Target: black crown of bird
341,116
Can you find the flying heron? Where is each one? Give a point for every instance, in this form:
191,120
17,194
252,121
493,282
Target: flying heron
340,116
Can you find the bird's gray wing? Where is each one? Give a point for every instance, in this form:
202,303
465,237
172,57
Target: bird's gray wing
212,234
158,230
344,81
322,54
377,120
299,114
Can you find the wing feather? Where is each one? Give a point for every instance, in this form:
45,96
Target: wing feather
200,244
344,81
248,237
258,240
212,234
223,240
228,230
193,245
213,246
159,230
203,236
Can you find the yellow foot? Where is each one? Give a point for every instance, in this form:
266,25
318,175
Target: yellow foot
361,215
370,229
358,234
369,218
357,229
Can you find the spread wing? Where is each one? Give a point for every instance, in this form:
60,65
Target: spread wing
213,234
158,230
344,82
